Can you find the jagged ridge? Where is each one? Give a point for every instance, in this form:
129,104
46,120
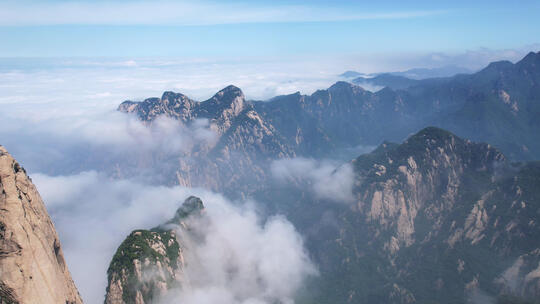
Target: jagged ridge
435,218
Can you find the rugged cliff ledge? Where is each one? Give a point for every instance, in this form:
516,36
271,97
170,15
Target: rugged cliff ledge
32,266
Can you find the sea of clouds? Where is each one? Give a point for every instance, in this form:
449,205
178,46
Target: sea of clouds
59,120
93,214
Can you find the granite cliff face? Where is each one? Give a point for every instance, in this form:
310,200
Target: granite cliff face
423,175
149,263
32,265
435,219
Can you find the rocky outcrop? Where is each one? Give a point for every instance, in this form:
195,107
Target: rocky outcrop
335,121
32,265
436,200
435,219
145,266
221,110
244,141
149,263
171,104
441,201
422,176
341,118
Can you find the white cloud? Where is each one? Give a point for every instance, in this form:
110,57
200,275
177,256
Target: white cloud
473,59
182,13
58,111
63,120
93,214
326,179
369,87
243,260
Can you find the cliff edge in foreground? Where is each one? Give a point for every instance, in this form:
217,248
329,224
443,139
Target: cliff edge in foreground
32,266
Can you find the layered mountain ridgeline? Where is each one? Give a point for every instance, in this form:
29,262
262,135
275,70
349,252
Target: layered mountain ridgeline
394,82
499,104
406,79
32,265
150,263
415,73
243,141
437,219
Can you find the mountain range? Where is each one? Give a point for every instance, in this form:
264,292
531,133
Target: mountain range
498,104
415,73
444,209
436,219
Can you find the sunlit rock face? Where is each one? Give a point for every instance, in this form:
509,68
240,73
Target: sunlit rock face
435,219
422,177
32,265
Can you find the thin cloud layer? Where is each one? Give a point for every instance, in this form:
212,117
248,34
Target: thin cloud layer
53,120
183,13
93,214
63,120
241,259
325,179
55,111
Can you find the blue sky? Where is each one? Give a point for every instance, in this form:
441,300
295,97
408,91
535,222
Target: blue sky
262,28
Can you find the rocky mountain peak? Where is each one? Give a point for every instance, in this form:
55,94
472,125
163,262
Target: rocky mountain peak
434,134
172,96
32,265
192,206
149,263
230,98
433,141
531,56
438,199
344,86
498,66
430,150
532,60
231,89
175,105
145,266
128,106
